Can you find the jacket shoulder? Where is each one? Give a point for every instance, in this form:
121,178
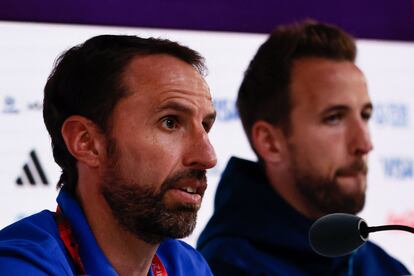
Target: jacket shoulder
237,256
373,260
32,245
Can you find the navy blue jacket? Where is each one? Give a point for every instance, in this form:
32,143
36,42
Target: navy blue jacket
253,231
32,246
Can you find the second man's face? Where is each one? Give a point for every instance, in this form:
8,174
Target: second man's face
329,139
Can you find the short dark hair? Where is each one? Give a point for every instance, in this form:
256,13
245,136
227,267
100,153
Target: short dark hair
87,81
264,92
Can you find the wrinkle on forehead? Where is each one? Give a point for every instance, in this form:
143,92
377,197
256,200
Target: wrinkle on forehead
186,100
158,79
164,73
322,79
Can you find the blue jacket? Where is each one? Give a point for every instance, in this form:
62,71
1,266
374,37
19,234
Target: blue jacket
32,246
253,231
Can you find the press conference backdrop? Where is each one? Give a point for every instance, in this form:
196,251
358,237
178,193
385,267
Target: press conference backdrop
28,174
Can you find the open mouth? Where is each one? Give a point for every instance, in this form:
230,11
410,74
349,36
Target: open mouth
190,190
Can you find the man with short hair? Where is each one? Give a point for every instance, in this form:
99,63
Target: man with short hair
305,109
129,121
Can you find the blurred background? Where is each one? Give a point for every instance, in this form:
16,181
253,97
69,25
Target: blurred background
227,34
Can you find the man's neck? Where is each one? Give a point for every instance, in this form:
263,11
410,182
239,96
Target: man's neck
128,254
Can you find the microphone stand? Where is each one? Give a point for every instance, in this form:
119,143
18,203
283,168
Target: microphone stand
339,234
387,227
364,229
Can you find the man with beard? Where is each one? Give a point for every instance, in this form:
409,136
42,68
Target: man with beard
305,109
129,120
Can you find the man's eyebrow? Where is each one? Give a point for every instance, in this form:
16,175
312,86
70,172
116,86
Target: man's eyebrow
369,106
185,109
336,107
175,106
341,107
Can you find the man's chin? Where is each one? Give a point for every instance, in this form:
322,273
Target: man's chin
352,203
342,196
177,223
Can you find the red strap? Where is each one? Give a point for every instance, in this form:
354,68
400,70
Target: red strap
158,268
65,233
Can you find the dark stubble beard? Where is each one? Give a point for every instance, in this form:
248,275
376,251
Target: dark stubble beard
326,194
141,209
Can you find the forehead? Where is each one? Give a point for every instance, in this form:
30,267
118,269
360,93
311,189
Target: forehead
152,79
318,82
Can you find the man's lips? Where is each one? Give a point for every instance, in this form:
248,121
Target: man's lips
355,169
191,186
189,191
352,174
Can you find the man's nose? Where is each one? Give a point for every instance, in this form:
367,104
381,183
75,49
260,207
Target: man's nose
360,142
200,153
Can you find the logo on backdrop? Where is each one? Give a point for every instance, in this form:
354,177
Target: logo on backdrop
398,168
33,173
391,114
226,109
9,105
404,218
35,106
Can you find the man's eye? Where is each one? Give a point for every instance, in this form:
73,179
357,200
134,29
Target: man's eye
170,123
366,115
333,119
207,127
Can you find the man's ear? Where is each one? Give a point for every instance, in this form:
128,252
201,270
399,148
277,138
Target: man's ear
84,140
269,141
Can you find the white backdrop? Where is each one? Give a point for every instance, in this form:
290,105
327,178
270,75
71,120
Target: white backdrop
27,54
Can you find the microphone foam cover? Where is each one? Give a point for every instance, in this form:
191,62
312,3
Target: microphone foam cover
338,234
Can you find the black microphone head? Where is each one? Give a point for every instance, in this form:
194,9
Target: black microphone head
338,234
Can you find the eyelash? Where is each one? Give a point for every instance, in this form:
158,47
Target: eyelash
329,119
170,118
207,126
366,115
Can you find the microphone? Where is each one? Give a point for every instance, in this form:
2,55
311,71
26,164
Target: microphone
339,234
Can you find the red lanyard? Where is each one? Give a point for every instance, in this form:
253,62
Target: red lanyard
65,233
158,268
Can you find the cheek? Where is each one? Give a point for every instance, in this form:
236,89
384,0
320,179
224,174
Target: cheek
152,160
319,155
